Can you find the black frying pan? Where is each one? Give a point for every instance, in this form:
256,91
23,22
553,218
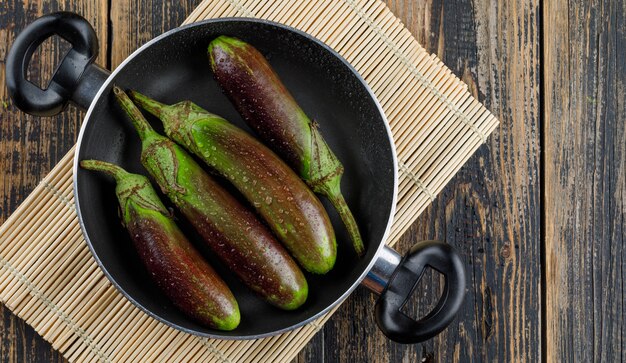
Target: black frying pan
174,67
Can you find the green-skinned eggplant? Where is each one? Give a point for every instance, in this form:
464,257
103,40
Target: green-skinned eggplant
269,108
290,209
174,264
232,231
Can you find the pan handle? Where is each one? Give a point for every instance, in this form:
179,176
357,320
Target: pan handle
394,278
76,79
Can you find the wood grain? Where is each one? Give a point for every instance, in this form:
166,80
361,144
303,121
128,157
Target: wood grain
490,211
135,22
585,182
31,146
464,214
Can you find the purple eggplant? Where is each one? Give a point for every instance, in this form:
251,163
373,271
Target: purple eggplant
267,107
175,266
232,231
290,209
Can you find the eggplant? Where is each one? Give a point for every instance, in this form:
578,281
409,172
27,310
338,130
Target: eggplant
291,210
267,107
173,263
232,231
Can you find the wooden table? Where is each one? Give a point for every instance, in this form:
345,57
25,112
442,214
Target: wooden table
537,213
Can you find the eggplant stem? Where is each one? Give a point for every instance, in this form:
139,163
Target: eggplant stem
107,168
153,106
136,117
332,191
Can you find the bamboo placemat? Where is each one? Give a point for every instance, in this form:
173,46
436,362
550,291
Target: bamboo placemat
47,274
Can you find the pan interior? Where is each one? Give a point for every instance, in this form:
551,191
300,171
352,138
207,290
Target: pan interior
175,68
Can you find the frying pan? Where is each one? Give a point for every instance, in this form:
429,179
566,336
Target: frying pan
174,67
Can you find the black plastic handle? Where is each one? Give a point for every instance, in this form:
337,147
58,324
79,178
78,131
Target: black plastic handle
65,81
403,329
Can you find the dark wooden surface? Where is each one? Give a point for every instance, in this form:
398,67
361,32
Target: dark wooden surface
585,182
537,214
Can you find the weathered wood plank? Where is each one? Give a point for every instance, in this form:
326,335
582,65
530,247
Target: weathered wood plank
585,181
490,208
31,146
490,211
135,22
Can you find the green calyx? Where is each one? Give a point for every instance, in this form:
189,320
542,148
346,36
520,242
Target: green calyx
192,127
159,154
324,177
179,120
171,167
323,165
133,191
163,162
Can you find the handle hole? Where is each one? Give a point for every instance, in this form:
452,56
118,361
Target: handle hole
425,294
45,59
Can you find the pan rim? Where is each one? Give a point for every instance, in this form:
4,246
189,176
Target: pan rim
97,99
